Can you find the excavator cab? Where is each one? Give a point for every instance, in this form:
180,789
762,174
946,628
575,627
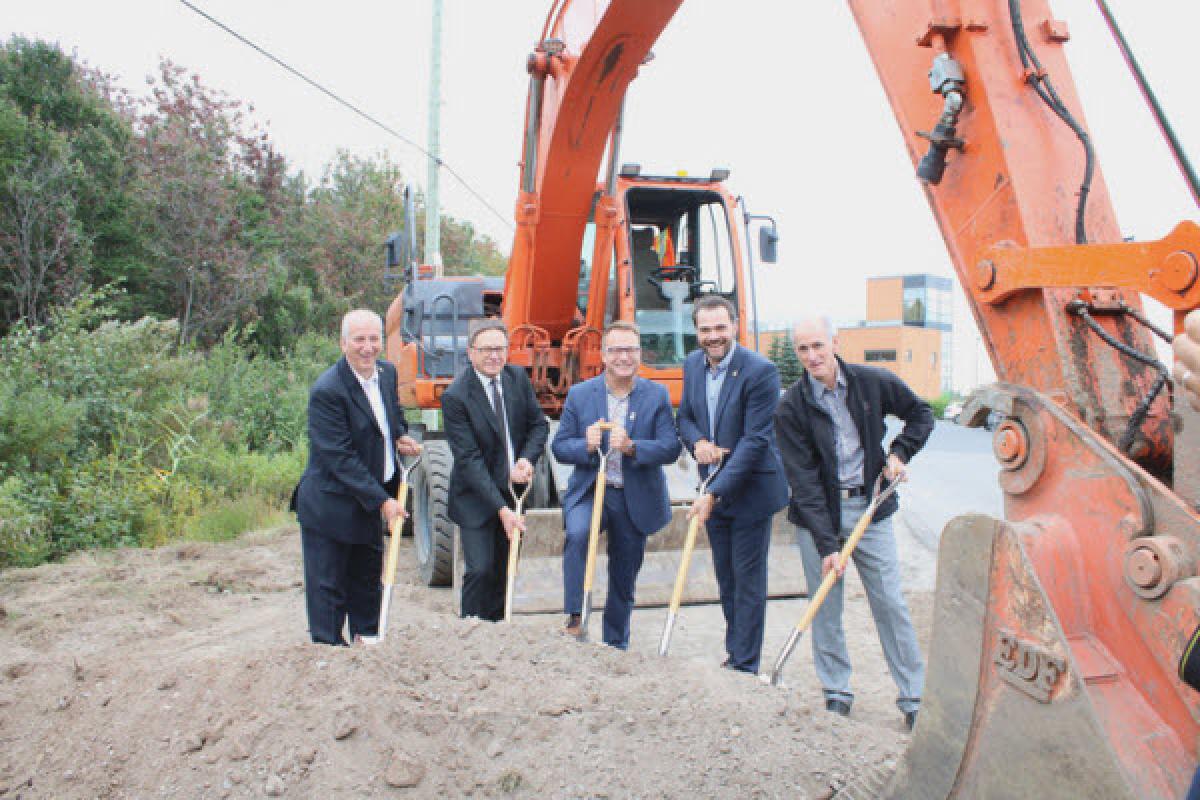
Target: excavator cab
681,246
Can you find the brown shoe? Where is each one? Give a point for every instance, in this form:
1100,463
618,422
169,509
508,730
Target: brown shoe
574,625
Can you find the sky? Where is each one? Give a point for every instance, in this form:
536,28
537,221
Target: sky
767,83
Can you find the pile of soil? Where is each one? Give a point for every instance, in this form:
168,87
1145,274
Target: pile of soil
185,672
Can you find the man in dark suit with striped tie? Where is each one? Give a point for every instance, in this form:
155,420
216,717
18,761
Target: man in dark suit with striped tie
496,431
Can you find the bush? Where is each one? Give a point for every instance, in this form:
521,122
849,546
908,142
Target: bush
111,436
939,403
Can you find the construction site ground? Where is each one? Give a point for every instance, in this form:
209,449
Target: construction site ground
185,672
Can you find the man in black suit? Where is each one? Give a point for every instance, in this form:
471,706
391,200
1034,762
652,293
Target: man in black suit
497,432
355,427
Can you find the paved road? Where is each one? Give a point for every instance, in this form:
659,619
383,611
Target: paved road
955,474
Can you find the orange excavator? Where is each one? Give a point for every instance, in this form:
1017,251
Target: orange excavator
1056,629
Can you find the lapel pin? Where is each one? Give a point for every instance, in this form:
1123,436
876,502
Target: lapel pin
734,373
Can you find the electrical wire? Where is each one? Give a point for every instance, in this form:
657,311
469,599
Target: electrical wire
1080,309
348,105
1040,82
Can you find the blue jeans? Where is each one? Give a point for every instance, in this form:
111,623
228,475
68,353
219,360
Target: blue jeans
626,549
878,566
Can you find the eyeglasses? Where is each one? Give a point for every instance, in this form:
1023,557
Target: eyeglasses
622,351
491,351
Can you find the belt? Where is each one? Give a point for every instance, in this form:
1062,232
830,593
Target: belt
853,491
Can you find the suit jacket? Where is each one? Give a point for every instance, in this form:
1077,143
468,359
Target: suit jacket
806,436
342,489
649,424
751,482
479,480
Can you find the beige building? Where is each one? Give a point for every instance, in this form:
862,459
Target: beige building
908,330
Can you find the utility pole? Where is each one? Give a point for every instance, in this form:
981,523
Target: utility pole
433,230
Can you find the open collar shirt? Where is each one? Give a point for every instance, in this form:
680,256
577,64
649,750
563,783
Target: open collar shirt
714,378
845,432
370,387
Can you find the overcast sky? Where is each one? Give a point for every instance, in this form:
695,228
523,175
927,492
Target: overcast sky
766,84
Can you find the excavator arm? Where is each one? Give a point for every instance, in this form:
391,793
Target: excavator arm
1056,630
579,71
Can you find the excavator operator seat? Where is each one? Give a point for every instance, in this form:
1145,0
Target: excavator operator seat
645,264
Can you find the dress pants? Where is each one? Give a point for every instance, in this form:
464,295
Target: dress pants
341,581
485,557
739,554
878,566
626,549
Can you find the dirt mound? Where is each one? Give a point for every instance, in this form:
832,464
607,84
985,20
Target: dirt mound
183,672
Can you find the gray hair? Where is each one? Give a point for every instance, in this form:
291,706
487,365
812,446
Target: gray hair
823,319
359,314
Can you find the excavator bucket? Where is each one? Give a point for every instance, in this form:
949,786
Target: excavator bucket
1008,711
539,586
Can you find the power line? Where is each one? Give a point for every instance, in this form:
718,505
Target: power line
347,104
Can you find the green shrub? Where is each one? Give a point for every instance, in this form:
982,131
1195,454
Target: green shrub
111,436
24,523
231,518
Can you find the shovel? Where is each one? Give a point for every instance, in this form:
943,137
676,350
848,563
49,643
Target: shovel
685,561
392,557
514,550
831,577
589,572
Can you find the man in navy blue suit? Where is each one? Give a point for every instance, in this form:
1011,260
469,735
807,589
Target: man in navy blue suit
728,408
636,503
355,427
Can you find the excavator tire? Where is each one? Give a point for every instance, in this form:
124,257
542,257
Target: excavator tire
433,532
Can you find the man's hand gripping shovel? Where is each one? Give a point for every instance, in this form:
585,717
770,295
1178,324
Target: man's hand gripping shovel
685,561
514,549
831,577
589,572
392,557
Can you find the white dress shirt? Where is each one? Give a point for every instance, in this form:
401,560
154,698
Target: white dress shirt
371,387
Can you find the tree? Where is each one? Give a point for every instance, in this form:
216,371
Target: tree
784,357
65,216
39,235
206,184
339,231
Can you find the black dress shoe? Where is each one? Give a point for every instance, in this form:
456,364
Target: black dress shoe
837,706
910,719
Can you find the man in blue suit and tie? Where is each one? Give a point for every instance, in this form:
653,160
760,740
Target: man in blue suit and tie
728,408
636,503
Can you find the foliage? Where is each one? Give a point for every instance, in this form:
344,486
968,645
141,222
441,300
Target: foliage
168,289
785,359
64,201
111,435
181,198
939,403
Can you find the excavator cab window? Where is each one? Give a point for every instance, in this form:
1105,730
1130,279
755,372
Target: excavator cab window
680,249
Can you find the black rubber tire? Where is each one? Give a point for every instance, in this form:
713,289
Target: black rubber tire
433,532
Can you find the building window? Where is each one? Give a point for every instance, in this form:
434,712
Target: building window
933,359
879,355
908,356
